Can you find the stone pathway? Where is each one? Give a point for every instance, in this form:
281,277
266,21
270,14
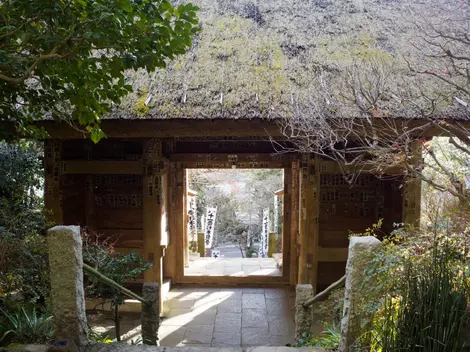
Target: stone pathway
232,267
216,317
228,317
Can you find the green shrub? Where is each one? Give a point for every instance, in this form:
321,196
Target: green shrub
25,326
121,268
416,292
23,252
329,338
430,312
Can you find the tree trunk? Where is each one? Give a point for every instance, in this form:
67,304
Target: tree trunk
117,322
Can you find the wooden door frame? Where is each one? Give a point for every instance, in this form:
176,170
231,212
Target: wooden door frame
183,162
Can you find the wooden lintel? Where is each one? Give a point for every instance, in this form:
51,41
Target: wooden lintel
332,254
141,128
168,128
232,158
98,167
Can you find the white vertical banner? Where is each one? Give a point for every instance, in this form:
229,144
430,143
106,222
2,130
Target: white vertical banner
263,249
192,221
210,225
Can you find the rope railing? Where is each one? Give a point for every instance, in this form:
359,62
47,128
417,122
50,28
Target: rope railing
112,283
325,292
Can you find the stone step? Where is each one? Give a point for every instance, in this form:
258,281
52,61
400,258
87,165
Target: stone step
118,347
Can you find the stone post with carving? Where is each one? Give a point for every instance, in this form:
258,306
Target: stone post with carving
360,253
67,294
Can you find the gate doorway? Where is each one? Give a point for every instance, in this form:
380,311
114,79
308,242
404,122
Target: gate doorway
235,221
280,269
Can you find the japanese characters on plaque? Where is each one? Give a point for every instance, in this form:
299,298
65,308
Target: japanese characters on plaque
210,225
263,249
192,221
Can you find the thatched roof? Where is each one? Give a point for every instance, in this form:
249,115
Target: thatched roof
254,58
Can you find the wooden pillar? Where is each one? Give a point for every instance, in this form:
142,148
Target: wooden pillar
179,218
90,203
412,189
53,184
153,171
291,199
201,244
169,266
309,220
271,243
286,233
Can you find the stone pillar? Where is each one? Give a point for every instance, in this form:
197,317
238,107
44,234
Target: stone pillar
303,316
150,313
67,294
359,256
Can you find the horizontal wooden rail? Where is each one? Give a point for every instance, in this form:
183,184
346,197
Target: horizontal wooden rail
324,293
112,283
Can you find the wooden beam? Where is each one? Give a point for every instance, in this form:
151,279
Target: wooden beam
239,161
163,128
147,128
53,175
332,254
102,167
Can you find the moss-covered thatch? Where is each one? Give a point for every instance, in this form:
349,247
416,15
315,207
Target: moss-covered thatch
252,58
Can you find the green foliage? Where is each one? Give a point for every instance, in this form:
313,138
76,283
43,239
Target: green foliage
417,290
330,310
429,314
23,252
96,337
119,267
329,338
25,326
66,59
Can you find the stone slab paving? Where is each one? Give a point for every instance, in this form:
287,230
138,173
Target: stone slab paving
232,267
214,317
228,317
